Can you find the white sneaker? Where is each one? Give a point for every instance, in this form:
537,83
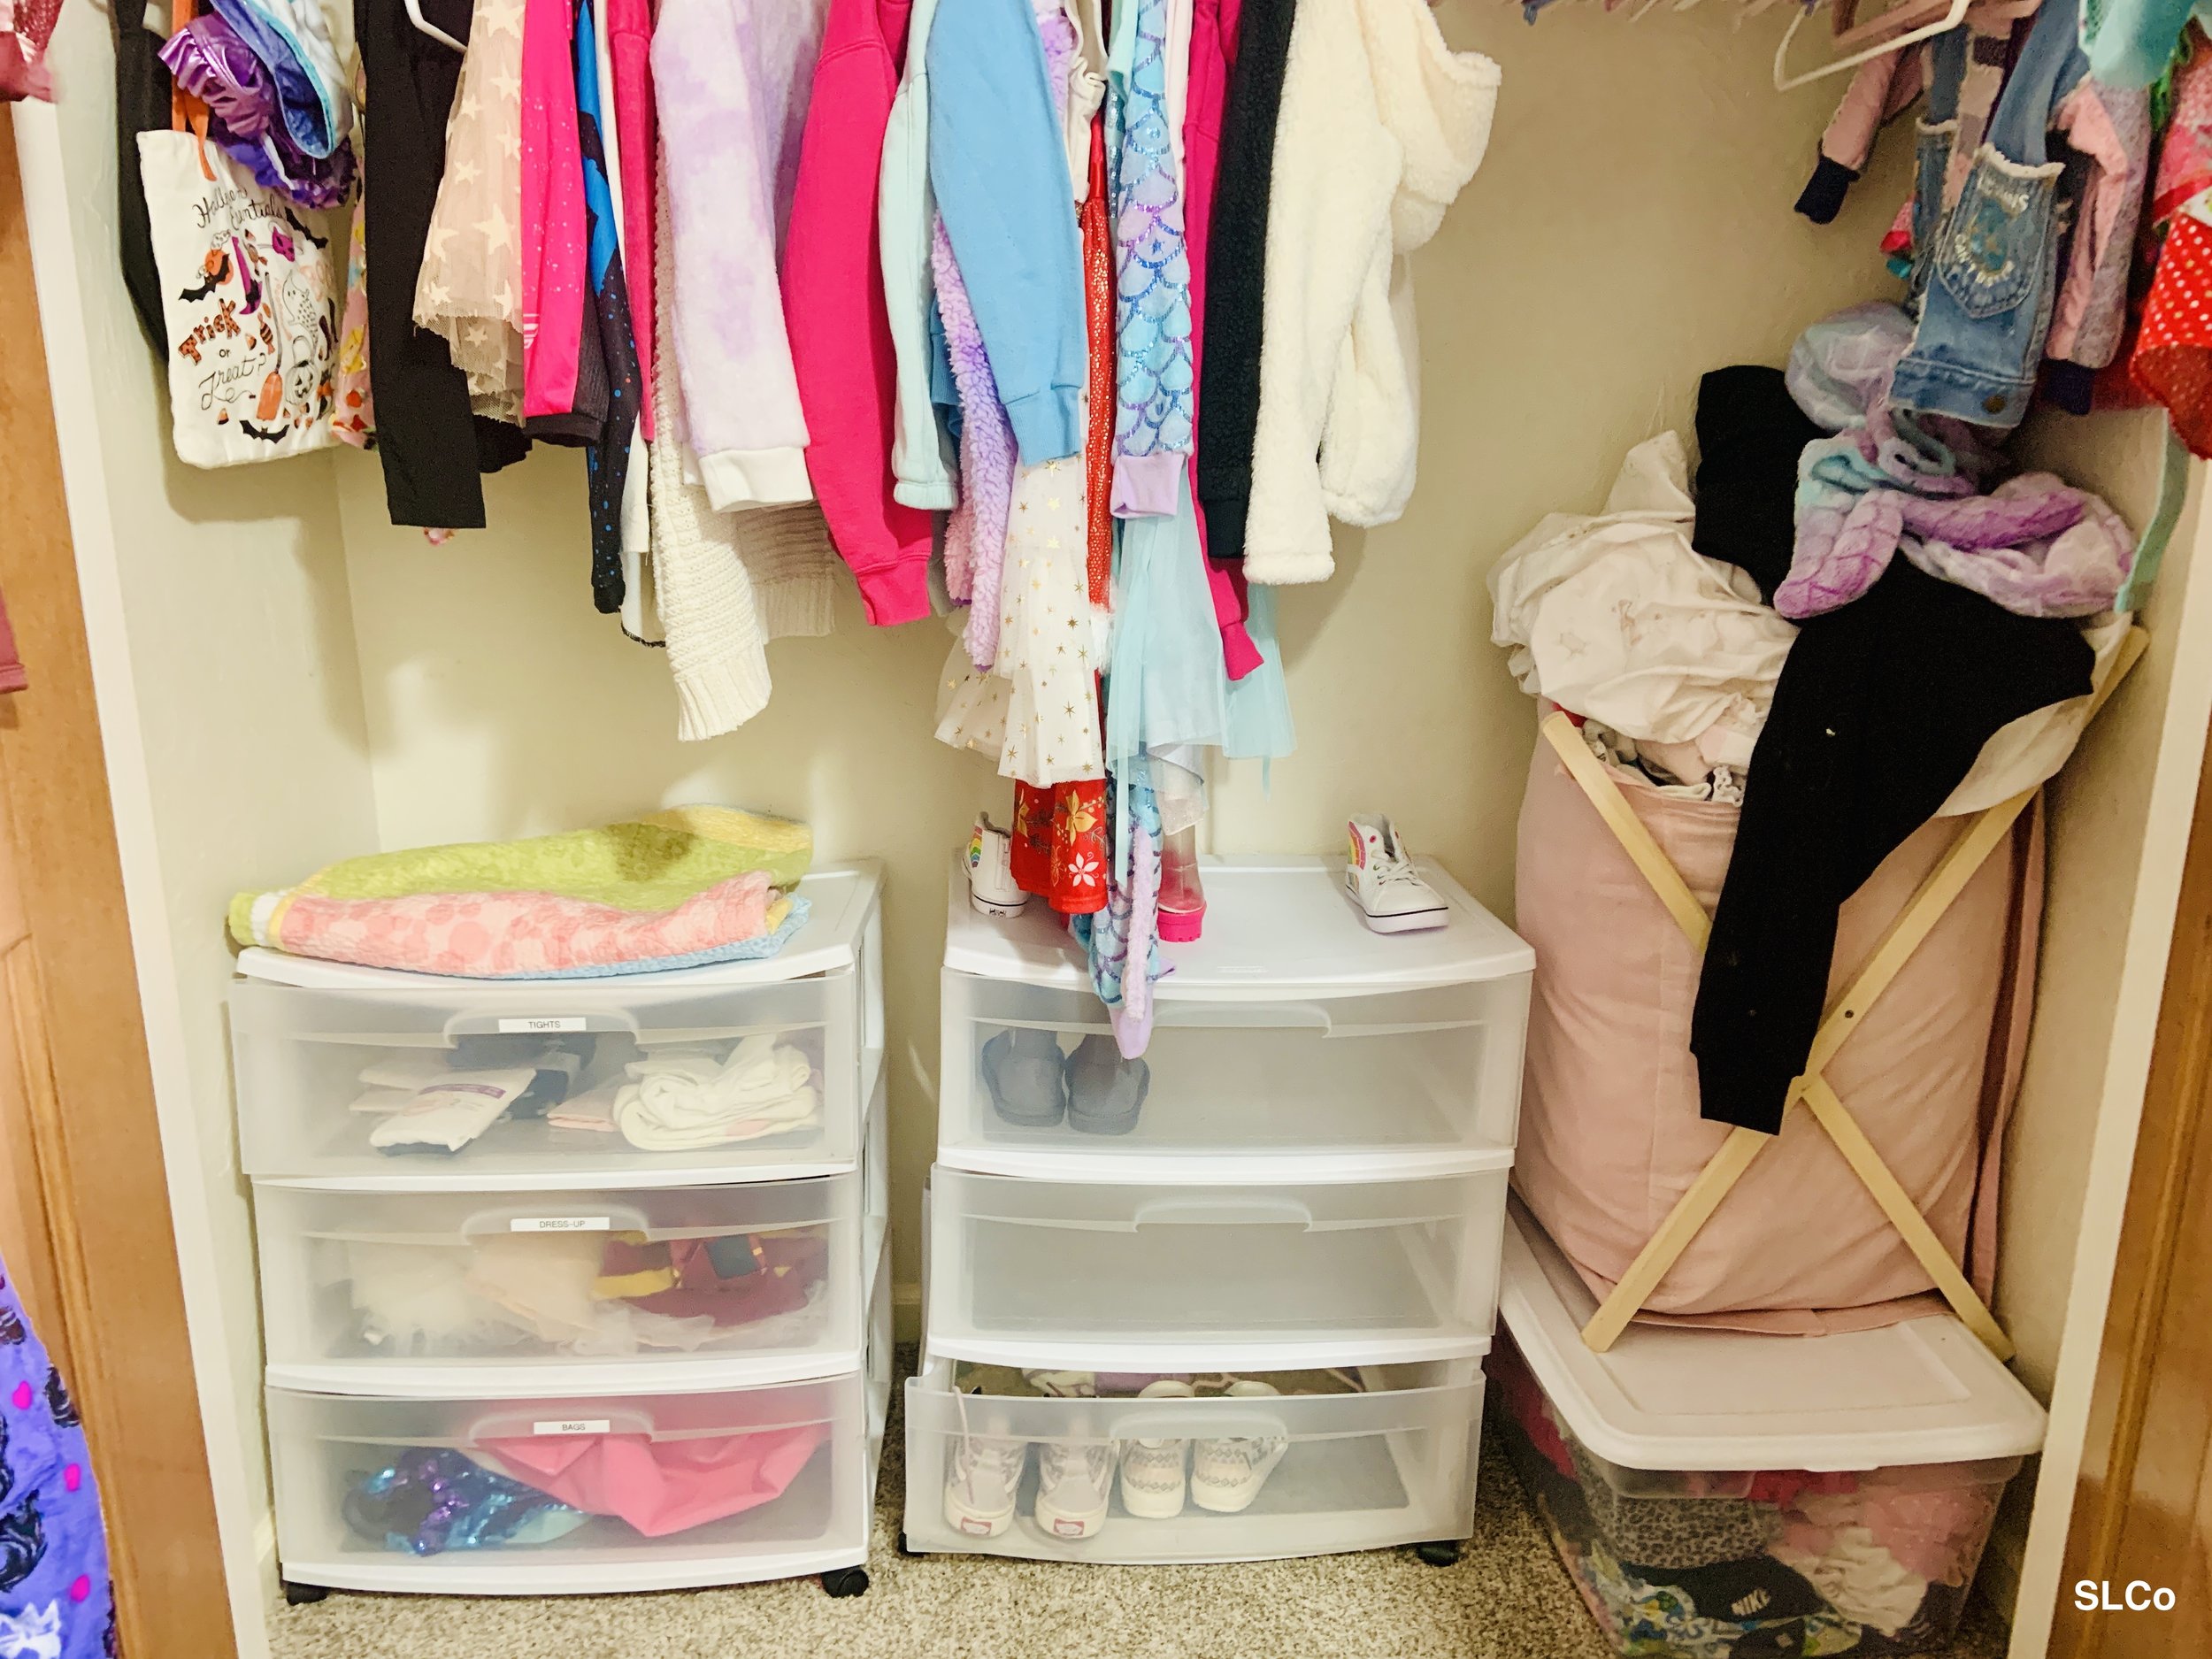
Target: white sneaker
1075,1482
1379,878
1152,1478
980,1486
991,886
1225,1475
1063,1385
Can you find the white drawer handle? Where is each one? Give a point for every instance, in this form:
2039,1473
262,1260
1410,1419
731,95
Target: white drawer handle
1187,1423
523,1426
517,1022
592,1218
1222,1211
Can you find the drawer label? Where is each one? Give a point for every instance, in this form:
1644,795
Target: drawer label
544,1023
561,1224
574,1425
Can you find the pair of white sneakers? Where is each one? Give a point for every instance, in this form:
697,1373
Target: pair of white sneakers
1075,1479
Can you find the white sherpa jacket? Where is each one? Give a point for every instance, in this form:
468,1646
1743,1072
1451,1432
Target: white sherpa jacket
1382,126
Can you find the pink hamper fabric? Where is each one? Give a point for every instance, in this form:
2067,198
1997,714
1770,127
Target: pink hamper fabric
1610,1135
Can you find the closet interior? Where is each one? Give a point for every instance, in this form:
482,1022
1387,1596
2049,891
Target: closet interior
288,679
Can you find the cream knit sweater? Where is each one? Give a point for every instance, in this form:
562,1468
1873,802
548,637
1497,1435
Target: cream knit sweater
1382,126
725,583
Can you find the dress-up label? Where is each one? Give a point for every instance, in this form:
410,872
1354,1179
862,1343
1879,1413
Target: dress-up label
544,1023
561,1224
574,1425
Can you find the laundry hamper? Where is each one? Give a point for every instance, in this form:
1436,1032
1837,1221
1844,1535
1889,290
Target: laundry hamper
1610,1134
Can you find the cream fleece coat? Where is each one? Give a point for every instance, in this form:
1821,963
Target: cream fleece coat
1382,126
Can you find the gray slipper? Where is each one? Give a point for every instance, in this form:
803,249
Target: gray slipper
1105,1092
1027,1078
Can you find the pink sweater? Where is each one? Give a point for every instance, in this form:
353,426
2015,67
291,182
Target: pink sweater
553,272
848,375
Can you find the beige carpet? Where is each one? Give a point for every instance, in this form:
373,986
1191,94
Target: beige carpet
1508,1598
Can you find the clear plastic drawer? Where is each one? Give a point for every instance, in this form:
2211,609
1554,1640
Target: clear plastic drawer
574,1494
1205,1467
369,1078
646,1289
1127,1277
1313,1087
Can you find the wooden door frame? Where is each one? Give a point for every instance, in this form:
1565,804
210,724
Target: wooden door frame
2166,1199
71,987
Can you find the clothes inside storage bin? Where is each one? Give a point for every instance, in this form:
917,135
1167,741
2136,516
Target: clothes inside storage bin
1777,1562
1717,1493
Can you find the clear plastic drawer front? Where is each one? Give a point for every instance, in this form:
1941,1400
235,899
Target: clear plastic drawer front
1249,1469
652,1289
1313,1086
1124,1276
573,1495
656,1078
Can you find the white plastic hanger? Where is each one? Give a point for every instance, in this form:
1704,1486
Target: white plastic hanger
415,15
1784,81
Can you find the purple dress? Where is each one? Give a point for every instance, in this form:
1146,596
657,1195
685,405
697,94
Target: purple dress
56,1601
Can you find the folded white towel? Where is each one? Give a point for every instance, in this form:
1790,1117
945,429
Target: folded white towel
682,1100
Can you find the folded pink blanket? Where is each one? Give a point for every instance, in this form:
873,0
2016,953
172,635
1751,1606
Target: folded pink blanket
529,935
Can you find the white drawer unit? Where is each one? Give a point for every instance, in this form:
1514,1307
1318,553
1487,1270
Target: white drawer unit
646,1289
1290,1044
1296,1474
582,1493
762,1068
1124,1277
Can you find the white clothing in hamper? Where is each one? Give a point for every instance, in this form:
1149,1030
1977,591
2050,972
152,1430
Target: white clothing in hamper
1618,618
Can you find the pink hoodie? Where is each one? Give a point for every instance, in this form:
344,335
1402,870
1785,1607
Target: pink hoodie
848,376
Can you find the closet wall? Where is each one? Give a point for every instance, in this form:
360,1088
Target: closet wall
288,679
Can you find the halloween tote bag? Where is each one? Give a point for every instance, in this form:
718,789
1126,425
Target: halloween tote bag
250,303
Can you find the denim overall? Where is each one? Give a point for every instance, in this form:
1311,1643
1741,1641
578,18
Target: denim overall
1989,273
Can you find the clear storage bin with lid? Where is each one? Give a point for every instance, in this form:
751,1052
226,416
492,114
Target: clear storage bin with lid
1713,1491
1271,1465
1289,1043
766,1066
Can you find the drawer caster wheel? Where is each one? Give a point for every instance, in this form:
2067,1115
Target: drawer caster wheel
846,1581
304,1594
907,1549
1442,1552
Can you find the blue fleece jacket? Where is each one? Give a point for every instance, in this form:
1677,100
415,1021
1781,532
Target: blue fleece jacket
998,164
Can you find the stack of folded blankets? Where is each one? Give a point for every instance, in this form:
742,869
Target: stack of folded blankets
672,889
